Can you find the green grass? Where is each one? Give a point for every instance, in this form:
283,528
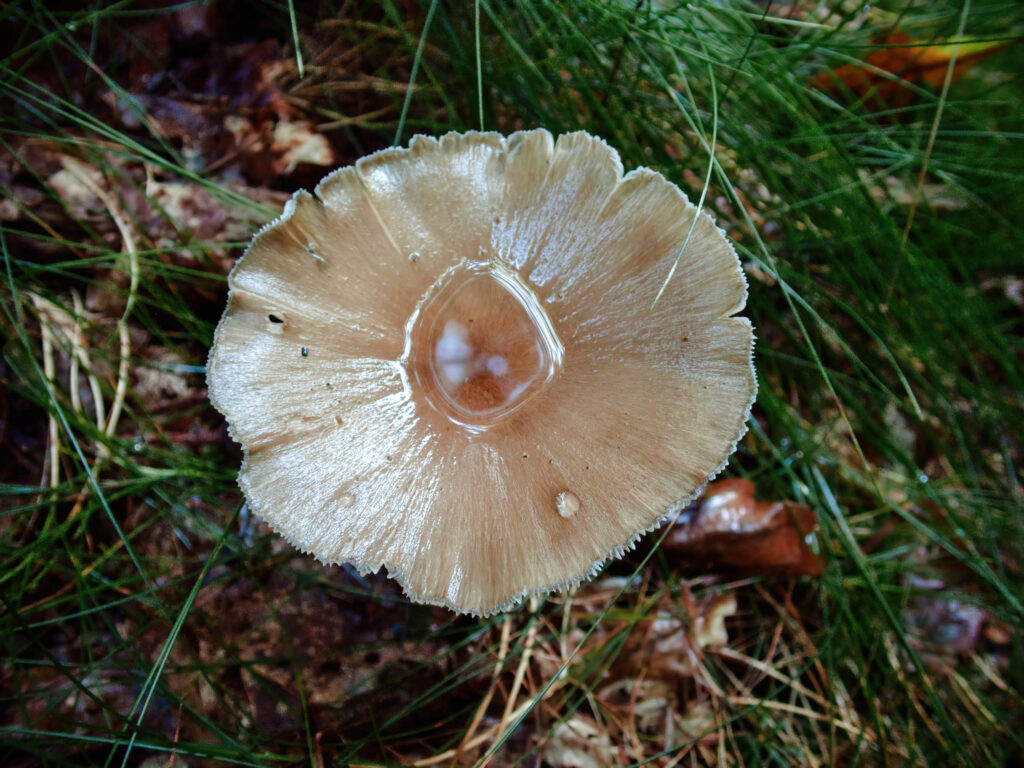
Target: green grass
144,614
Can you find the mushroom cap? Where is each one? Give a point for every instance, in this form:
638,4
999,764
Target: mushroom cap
446,362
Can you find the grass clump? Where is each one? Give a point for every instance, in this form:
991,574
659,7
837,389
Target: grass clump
145,616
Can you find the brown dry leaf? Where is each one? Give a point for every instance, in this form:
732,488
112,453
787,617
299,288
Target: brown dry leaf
298,142
663,646
163,375
910,61
183,206
697,720
938,196
579,743
944,626
709,626
645,700
74,184
730,530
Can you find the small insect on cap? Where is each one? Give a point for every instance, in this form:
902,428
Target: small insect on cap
449,362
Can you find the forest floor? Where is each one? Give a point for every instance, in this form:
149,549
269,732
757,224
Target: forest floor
868,163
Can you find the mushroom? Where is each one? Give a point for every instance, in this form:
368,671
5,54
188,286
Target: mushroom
449,362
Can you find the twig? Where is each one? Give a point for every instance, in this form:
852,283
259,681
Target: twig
810,714
76,396
128,240
506,632
771,672
484,737
49,370
81,351
517,681
82,573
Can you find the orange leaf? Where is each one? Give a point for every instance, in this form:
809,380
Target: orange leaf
911,61
730,530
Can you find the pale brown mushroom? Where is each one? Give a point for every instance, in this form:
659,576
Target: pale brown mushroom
449,363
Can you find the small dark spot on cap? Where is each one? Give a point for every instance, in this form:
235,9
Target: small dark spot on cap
274,318
305,351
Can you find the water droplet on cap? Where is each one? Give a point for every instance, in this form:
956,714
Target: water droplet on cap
568,503
480,346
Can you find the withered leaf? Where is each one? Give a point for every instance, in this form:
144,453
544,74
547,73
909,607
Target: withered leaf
908,59
728,529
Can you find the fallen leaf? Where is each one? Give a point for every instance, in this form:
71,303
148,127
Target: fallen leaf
578,743
901,191
909,60
697,720
75,183
298,142
185,205
659,646
664,646
944,626
163,374
646,700
729,530
709,627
